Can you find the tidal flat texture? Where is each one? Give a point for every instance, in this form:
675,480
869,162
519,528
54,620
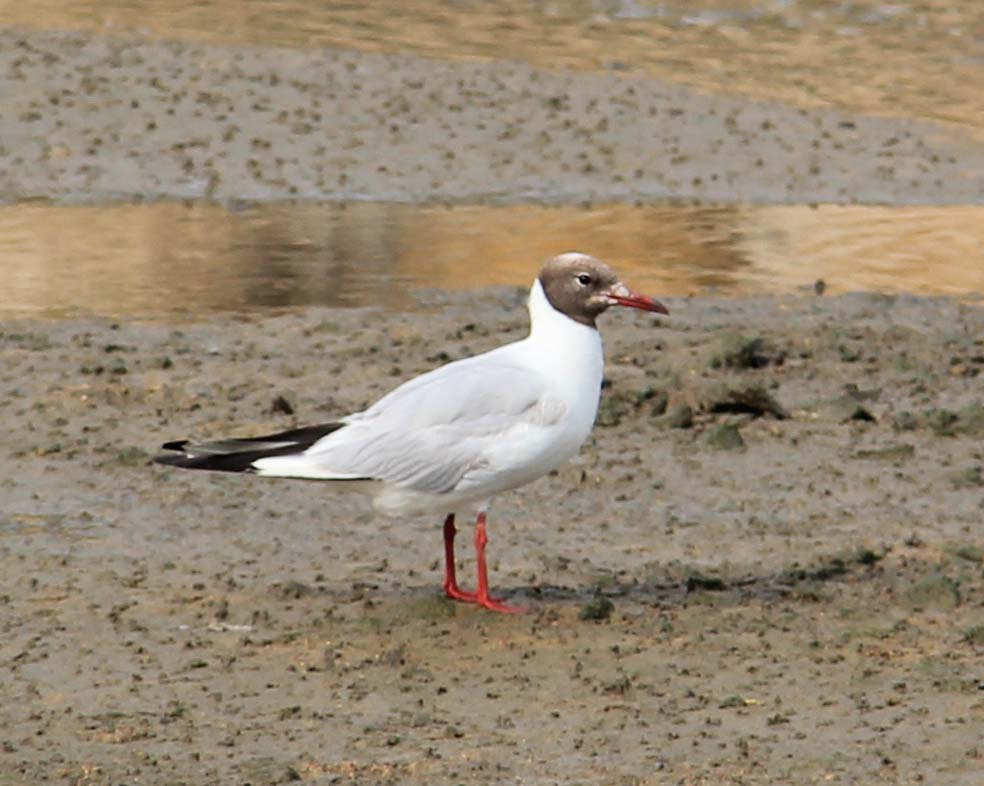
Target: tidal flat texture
798,605
89,118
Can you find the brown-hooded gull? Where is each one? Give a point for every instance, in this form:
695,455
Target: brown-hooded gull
451,439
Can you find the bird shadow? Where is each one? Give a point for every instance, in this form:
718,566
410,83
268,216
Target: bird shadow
796,581
659,590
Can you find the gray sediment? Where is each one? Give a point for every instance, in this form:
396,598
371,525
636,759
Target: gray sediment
89,119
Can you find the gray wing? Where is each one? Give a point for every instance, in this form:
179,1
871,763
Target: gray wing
430,432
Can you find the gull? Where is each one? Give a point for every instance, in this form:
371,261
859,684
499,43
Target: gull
456,436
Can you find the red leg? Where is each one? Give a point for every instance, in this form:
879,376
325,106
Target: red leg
451,588
483,598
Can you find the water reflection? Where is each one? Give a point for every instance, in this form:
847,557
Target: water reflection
171,260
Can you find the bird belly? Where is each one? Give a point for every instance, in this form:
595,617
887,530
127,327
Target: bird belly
519,456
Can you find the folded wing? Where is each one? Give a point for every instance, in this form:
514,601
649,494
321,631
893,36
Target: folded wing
434,432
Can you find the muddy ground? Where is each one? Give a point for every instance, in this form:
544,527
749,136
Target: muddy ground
95,118
795,600
766,565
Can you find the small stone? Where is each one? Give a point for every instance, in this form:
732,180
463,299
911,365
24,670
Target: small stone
743,399
863,556
284,403
905,421
293,589
680,416
848,354
698,581
237,392
616,405
737,351
941,421
846,407
725,436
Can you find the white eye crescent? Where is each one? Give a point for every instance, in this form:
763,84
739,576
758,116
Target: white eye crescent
583,279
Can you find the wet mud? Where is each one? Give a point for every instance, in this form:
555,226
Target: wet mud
765,566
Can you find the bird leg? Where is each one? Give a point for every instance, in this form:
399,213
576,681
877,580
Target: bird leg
482,596
451,588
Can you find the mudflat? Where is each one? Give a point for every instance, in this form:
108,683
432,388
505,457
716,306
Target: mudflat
92,118
764,567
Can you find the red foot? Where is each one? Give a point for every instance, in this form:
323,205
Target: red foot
451,588
494,604
456,593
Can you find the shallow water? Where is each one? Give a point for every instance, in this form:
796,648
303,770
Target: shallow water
178,261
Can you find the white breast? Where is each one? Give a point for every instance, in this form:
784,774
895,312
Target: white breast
569,355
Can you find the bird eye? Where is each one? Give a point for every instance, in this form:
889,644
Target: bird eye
583,279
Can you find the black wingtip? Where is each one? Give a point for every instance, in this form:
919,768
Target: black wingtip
238,455
229,462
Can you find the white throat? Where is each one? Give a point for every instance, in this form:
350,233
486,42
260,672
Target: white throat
543,316
563,347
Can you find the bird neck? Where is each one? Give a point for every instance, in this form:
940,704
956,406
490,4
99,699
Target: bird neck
568,353
550,326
